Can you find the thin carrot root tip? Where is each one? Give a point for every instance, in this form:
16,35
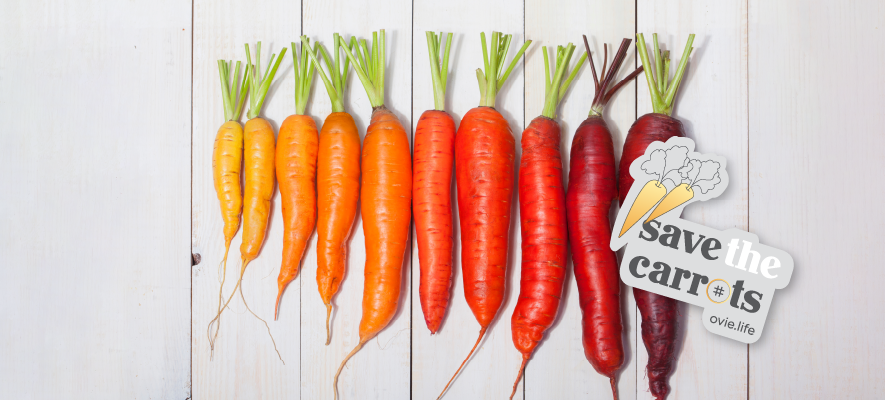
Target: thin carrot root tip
614,387
341,367
519,376
217,319
265,323
482,332
328,332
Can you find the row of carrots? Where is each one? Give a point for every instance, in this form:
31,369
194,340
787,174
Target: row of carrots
323,176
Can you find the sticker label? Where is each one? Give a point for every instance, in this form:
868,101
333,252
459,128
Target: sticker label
728,273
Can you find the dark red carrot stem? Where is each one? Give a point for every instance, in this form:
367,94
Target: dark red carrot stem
603,94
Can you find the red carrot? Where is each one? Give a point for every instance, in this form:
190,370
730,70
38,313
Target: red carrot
658,313
542,216
432,195
484,151
591,190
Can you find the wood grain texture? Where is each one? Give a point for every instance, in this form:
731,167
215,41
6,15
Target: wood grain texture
245,364
95,200
559,368
493,368
381,369
815,158
712,105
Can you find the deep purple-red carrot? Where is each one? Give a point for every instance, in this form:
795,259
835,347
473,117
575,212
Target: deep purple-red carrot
591,191
659,313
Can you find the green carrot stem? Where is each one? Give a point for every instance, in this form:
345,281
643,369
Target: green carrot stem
370,65
438,72
258,86
490,80
662,100
553,88
303,75
232,92
335,84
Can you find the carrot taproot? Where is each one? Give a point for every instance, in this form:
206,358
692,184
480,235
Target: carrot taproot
386,196
591,190
659,323
258,155
431,185
484,155
227,158
338,179
296,170
542,215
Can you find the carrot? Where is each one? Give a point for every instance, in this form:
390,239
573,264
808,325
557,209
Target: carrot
658,312
542,215
386,194
227,158
296,169
431,185
591,190
338,180
259,161
484,154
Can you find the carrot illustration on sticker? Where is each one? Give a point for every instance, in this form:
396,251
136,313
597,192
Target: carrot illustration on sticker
666,164
674,176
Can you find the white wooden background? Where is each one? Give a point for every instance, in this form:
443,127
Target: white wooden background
111,109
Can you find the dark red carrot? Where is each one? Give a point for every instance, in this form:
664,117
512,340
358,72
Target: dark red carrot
432,193
591,191
658,313
484,154
542,216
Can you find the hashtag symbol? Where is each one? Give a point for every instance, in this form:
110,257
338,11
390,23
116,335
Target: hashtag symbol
718,291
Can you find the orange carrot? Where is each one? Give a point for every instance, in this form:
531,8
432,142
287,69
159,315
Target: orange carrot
296,168
431,185
227,158
338,180
484,154
386,194
259,172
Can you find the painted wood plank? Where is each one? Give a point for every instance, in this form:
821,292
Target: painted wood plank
712,104
491,371
815,155
559,368
244,364
94,225
381,369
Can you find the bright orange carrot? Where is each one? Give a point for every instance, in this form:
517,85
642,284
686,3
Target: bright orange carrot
259,172
386,196
227,158
431,185
484,154
338,180
296,168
